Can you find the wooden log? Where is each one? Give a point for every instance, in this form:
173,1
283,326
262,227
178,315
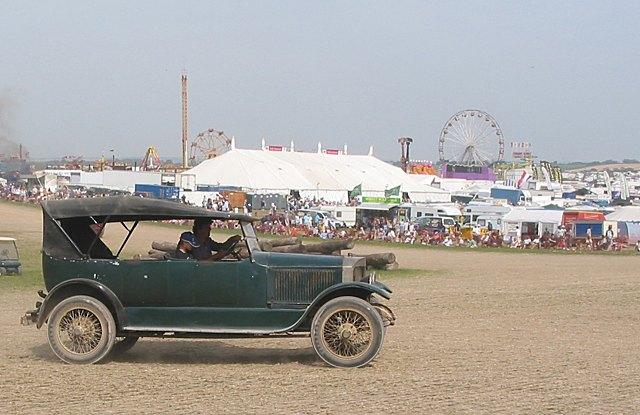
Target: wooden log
291,249
269,244
164,246
284,241
243,251
378,261
328,247
157,254
392,266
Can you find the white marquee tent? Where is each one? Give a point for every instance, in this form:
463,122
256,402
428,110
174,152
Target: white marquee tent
625,214
330,176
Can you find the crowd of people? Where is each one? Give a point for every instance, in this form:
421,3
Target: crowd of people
299,219
387,229
35,194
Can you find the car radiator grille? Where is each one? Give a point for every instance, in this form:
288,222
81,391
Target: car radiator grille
299,286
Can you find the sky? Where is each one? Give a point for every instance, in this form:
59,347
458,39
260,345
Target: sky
78,78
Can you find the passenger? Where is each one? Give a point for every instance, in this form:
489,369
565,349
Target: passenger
186,245
202,247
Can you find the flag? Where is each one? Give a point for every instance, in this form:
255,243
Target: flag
394,191
524,178
357,191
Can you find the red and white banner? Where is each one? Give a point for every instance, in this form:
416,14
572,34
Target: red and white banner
524,178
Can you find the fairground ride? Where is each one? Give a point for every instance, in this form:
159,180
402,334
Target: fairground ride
471,138
207,145
151,160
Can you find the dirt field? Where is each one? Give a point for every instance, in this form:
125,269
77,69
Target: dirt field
490,332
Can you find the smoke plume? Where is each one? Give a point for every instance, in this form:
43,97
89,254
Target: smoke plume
8,147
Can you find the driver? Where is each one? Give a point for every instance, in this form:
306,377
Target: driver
199,245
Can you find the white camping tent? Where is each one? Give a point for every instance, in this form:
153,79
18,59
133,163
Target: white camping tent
524,221
625,214
628,219
330,176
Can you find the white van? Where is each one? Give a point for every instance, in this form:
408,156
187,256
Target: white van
346,214
421,210
320,215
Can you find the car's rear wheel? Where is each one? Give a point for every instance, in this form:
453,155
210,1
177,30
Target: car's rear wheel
81,330
123,345
347,332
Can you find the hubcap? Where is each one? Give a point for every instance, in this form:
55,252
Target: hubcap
79,331
347,334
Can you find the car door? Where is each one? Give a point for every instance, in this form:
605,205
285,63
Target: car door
156,293
217,283
144,283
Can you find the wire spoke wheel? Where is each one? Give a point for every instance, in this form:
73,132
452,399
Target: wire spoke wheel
80,331
471,137
347,334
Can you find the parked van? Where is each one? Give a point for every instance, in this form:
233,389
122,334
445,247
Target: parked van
347,214
472,212
318,216
489,222
434,223
415,210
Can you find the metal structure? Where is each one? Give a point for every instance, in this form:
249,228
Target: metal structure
73,162
405,142
471,137
151,160
209,144
185,122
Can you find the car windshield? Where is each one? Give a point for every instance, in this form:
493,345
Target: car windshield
8,250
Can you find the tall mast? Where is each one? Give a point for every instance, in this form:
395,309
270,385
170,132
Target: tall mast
185,122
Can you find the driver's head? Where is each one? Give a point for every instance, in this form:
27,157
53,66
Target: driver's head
202,228
188,242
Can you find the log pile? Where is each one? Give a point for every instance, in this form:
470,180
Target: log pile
385,261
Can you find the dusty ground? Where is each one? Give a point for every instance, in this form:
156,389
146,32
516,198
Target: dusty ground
491,332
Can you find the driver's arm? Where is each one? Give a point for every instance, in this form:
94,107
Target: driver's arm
224,248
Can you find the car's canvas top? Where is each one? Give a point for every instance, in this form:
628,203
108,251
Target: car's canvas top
131,208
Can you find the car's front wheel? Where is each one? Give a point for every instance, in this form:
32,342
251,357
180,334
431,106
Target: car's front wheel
81,330
347,332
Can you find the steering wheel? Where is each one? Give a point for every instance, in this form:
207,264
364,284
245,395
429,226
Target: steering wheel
233,250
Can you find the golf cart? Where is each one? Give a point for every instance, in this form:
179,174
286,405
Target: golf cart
9,257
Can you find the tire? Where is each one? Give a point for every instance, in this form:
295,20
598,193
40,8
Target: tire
336,327
77,317
3,271
123,345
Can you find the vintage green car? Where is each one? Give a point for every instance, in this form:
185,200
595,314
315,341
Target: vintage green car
98,304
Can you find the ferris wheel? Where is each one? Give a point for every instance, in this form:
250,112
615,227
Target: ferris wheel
471,137
209,144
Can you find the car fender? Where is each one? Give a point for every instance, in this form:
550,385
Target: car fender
54,297
355,289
